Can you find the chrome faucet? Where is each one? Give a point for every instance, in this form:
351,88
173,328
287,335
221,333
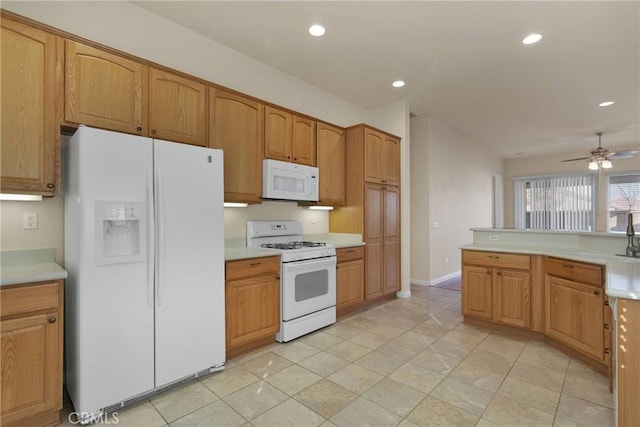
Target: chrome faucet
632,250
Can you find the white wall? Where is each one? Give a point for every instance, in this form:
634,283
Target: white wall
458,187
551,164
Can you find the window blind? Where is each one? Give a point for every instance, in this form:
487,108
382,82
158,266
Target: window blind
556,202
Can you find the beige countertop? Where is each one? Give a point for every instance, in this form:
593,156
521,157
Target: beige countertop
29,266
622,278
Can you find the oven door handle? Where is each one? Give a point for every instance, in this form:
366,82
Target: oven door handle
305,264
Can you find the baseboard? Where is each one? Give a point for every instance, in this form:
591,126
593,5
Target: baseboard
441,279
420,282
403,294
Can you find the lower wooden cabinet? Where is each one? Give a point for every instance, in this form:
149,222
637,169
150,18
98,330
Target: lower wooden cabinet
349,279
31,330
575,310
492,292
252,300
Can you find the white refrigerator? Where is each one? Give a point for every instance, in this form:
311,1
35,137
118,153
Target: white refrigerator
144,249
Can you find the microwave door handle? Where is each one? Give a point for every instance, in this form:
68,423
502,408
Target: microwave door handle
307,185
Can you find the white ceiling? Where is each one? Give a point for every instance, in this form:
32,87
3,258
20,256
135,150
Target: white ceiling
463,62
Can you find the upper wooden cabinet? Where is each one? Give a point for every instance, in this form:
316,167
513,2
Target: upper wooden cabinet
31,104
331,164
289,137
177,108
236,126
381,157
105,90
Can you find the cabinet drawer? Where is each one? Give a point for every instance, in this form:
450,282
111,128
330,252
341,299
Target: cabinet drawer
29,298
348,254
572,270
497,259
252,267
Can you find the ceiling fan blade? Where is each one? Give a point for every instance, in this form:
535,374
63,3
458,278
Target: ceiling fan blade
579,158
623,154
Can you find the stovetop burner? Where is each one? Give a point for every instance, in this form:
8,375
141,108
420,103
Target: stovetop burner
293,245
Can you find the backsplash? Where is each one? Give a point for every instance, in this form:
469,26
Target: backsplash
235,219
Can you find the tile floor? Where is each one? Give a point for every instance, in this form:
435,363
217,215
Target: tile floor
407,362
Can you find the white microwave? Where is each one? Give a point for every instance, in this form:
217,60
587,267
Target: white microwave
289,181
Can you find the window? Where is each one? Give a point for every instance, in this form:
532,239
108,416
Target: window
624,199
555,202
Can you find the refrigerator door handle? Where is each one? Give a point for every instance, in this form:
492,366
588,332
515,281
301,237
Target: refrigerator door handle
160,236
150,239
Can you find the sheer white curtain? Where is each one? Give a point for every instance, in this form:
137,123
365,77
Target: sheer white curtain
556,202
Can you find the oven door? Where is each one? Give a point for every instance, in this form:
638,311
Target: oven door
308,286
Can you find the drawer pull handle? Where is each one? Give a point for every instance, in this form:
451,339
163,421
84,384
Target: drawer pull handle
488,271
494,257
567,265
139,129
255,264
596,292
52,320
606,326
499,273
606,351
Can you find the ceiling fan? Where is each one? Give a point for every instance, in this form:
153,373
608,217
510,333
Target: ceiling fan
601,157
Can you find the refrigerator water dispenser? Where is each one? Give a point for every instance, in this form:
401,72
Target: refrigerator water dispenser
119,232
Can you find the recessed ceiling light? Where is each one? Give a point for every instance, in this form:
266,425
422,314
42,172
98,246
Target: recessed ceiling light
398,83
606,103
532,38
316,30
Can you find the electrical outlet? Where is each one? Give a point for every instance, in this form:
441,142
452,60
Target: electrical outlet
446,261
29,221
435,225
494,237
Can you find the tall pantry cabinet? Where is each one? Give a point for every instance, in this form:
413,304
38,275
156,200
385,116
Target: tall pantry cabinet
372,206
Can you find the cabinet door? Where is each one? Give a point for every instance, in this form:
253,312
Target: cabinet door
373,235
391,160
31,362
252,309
277,134
349,284
391,237
574,315
31,102
237,128
331,164
476,292
512,297
105,90
304,141
372,155
177,108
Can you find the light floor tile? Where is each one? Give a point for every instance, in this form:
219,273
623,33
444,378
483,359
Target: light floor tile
255,399
266,364
226,382
435,362
364,413
293,379
213,415
416,338
140,415
289,413
403,323
472,399
401,349
451,349
183,400
479,376
547,378
540,354
343,331
506,346
369,340
361,322
530,394
417,377
380,363
584,413
508,412
394,396
355,378
325,398
295,351
349,350
321,340
387,331
438,413
324,364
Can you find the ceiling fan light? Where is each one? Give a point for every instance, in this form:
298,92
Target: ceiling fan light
593,165
606,164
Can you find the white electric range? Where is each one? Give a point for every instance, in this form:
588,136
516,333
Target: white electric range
307,276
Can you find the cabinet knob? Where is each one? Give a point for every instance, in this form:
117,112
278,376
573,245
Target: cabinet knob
52,320
288,157
596,292
139,128
50,185
295,158
488,271
153,131
255,264
499,273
